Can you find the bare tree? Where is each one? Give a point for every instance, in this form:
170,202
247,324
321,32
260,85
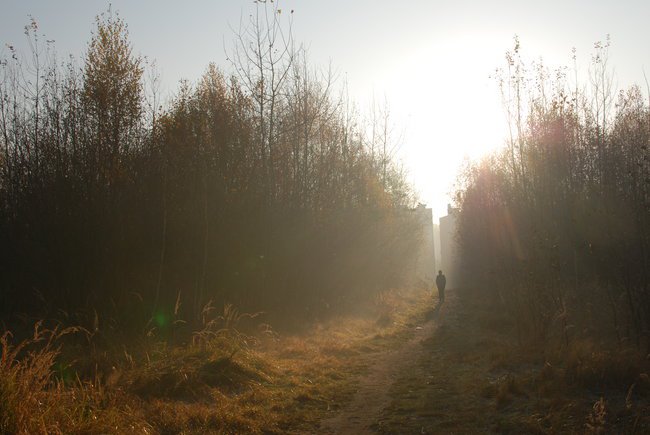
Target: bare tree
262,59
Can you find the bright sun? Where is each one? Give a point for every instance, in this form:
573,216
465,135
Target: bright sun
450,109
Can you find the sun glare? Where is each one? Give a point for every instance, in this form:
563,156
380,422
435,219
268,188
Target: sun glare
450,111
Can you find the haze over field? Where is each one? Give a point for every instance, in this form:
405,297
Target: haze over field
212,218
430,60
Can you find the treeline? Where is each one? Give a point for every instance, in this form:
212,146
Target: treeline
259,189
555,228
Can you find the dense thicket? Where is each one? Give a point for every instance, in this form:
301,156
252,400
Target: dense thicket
258,189
555,229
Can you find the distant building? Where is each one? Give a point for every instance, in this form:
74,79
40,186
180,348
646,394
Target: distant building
449,261
425,267
436,246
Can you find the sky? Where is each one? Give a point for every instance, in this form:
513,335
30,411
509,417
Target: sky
431,60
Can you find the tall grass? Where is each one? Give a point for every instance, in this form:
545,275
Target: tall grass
27,379
49,385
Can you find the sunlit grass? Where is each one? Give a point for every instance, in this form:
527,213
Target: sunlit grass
220,381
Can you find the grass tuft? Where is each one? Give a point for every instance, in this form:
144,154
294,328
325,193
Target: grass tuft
233,375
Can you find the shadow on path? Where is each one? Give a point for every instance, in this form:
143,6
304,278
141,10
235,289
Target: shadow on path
366,409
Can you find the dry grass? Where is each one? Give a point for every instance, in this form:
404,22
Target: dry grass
34,400
479,380
473,378
220,381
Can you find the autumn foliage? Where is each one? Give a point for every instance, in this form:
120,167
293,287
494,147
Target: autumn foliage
257,188
555,228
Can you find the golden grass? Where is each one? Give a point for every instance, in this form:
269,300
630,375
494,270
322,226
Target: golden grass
221,381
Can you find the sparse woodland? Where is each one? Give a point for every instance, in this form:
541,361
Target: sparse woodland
555,228
139,236
258,188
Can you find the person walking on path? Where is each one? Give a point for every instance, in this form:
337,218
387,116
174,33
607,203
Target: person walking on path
441,282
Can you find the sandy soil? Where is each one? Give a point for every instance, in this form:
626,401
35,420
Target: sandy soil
364,413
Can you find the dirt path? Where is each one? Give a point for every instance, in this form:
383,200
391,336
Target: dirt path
364,414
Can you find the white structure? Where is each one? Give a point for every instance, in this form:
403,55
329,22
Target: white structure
425,267
449,262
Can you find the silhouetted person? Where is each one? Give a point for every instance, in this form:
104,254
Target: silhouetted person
441,282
